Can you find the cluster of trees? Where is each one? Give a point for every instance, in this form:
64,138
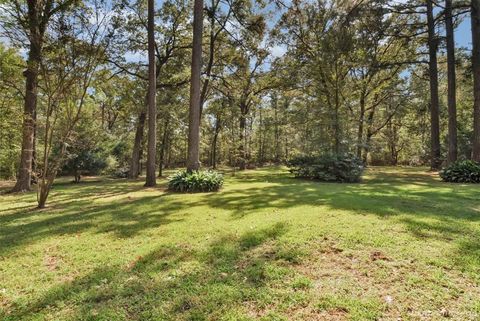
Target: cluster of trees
97,85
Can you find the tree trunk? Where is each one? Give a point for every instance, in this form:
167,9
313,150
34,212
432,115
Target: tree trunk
163,146
261,138
241,148
77,176
360,126
44,190
370,133
476,78
193,159
452,100
214,143
366,149
336,126
434,100
30,103
211,58
137,147
152,108
34,179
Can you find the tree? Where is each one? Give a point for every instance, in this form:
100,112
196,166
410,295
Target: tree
193,159
71,60
30,21
452,88
152,106
137,147
475,18
171,47
435,155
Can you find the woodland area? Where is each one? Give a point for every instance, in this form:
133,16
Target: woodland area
382,80
239,159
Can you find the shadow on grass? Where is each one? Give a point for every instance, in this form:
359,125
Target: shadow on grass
124,218
428,208
170,283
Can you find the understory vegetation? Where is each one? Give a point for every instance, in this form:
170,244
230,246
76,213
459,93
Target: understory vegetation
196,181
328,168
400,244
462,172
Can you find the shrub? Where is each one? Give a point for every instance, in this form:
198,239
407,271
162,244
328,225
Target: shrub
328,168
120,172
81,161
197,181
466,171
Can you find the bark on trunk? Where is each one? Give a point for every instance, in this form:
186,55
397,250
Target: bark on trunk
241,148
193,159
276,136
152,108
30,103
476,78
163,146
434,100
366,150
211,58
452,100
214,143
137,147
360,127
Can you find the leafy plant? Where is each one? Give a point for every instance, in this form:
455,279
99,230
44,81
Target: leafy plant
465,171
328,168
84,161
197,181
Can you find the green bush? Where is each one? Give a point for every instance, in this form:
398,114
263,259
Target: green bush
466,171
81,161
328,168
197,181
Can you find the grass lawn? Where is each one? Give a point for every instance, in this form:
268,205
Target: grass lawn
400,245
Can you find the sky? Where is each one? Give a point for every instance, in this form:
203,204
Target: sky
463,37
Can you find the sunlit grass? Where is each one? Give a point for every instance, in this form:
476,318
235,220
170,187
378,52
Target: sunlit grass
401,244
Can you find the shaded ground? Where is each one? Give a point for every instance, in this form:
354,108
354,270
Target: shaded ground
401,244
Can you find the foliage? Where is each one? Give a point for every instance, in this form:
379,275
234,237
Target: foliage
11,88
84,161
196,181
120,172
466,171
327,168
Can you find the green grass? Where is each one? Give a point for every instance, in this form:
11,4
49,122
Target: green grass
401,244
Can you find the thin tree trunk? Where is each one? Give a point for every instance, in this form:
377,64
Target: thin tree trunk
193,159
452,99
30,104
137,146
211,58
337,146
214,143
34,179
163,146
476,78
152,108
360,126
434,100
276,132
368,139
241,148
260,138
